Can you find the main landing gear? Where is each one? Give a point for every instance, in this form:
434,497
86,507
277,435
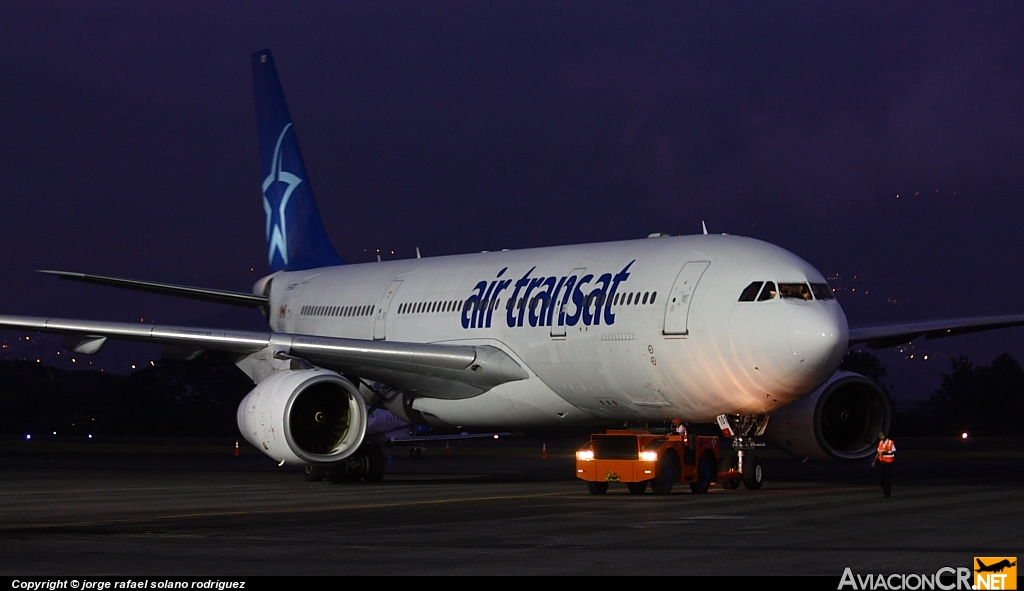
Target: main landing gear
366,464
743,429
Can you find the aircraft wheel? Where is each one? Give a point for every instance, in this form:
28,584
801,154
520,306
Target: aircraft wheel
374,464
668,474
705,469
314,473
753,474
731,483
597,488
637,488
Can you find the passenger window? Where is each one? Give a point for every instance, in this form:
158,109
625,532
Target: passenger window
750,292
822,291
796,291
645,298
768,292
654,294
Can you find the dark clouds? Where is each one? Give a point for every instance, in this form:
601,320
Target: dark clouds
129,139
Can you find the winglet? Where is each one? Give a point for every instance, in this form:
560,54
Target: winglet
704,227
296,239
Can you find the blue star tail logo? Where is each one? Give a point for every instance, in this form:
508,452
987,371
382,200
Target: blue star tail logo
278,188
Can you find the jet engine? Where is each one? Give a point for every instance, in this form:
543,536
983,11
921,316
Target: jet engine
306,416
838,421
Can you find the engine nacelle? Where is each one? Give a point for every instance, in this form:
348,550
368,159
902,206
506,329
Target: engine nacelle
838,421
306,416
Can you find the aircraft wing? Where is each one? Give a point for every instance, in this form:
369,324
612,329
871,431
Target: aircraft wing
220,296
439,371
890,335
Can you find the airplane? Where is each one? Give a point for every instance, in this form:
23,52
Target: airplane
994,568
703,328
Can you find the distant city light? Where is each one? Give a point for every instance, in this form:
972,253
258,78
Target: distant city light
54,432
963,435
90,436
495,436
133,366
28,436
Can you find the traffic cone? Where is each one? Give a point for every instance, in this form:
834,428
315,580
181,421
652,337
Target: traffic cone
238,452
447,451
544,451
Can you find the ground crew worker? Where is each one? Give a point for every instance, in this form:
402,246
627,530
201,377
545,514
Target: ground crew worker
885,455
680,428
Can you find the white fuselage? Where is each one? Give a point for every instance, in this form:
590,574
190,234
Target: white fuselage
642,330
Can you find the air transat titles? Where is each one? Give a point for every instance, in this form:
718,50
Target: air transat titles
534,300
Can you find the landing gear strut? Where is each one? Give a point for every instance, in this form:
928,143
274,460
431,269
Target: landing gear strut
743,429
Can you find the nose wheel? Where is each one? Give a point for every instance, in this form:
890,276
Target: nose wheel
744,429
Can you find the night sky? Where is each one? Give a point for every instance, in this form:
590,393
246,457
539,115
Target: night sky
129,145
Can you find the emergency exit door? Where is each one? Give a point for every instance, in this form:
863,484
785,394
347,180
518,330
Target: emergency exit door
380,320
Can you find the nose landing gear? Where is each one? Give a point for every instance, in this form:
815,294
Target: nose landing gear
743,429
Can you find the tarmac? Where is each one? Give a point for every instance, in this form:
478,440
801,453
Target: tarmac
171,507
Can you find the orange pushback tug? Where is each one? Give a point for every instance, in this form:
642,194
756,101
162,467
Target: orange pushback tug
639,457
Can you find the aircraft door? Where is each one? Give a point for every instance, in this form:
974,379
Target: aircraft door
677,307
381,318
557,328
291,302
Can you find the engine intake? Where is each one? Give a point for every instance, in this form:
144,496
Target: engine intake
838,421
307,416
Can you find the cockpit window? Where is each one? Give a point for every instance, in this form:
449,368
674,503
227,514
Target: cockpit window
750,292
798,291
768,292
822,291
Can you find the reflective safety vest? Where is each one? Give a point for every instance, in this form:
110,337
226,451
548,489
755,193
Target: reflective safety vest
887,451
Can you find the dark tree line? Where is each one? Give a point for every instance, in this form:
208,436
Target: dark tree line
196,397
983,400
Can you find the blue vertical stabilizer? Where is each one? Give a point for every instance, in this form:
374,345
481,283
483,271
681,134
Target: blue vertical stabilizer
296,239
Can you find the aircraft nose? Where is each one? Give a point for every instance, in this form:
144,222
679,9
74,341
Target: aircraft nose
818,336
